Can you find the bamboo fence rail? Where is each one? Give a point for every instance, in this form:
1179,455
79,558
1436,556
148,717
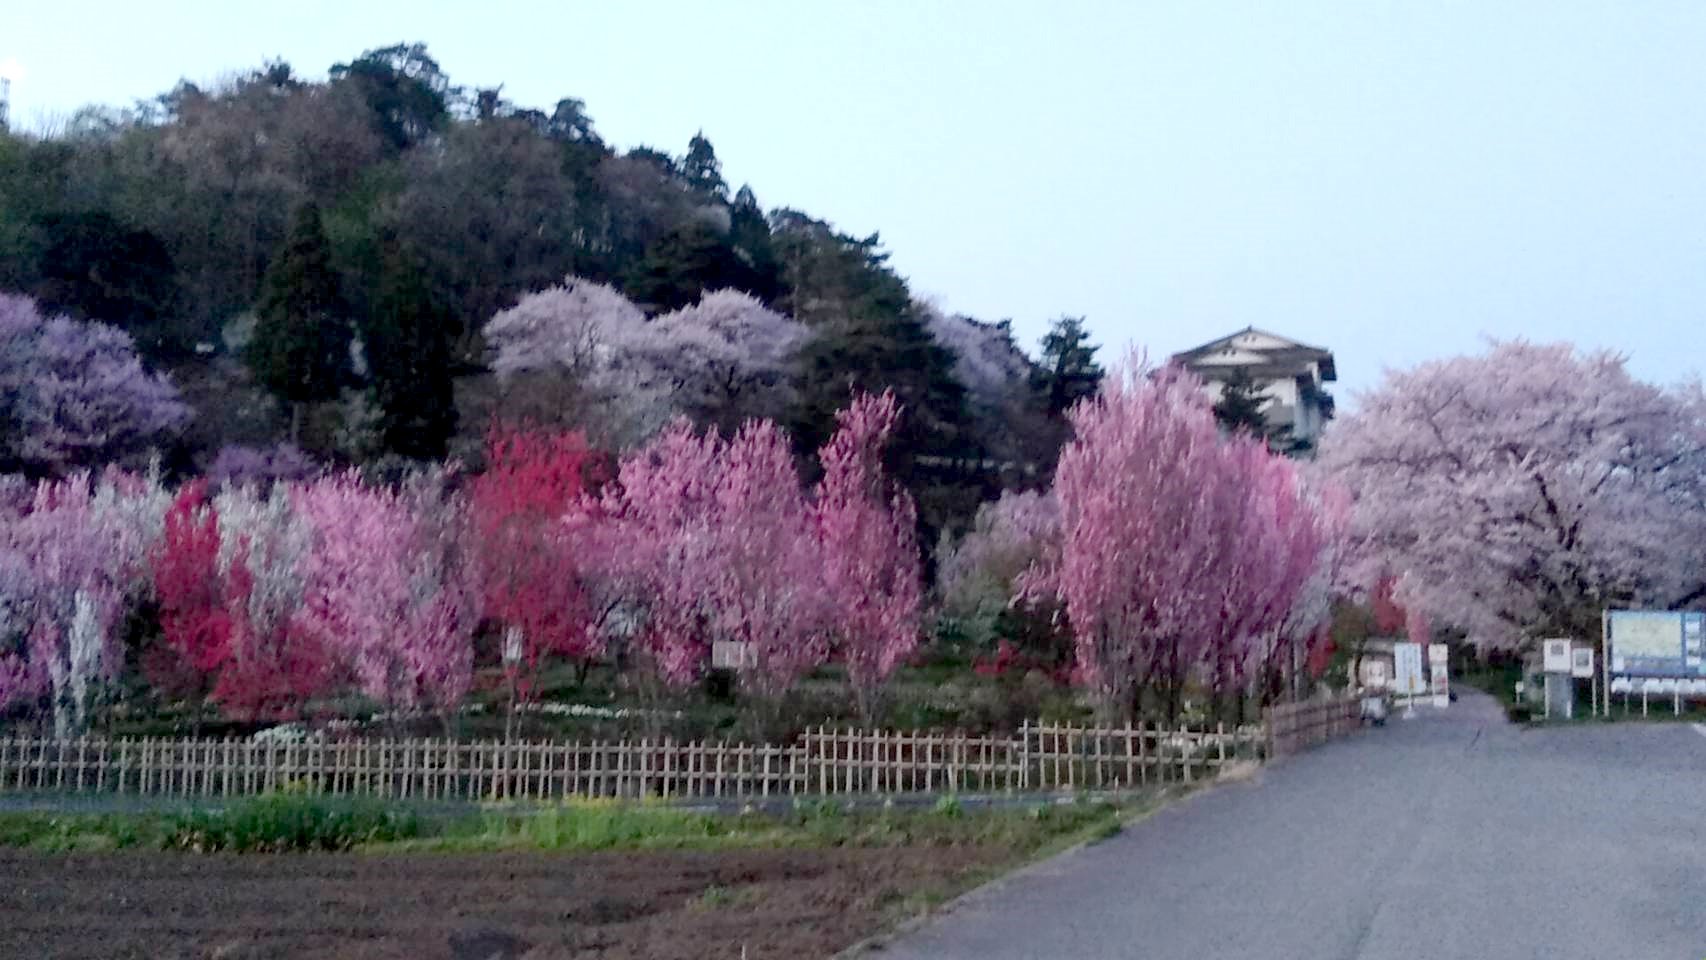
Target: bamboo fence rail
1040,757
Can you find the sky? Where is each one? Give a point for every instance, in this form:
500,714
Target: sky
1396,182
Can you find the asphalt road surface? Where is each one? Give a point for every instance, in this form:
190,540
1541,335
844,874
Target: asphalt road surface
1449,835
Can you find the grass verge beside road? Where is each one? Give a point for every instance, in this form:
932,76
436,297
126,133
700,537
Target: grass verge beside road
279,823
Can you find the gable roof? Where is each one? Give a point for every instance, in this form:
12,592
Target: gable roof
1253,347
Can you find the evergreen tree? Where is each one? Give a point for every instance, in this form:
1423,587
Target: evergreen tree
749,235
869,336
408,347
1240,406
685,263
702,170
1069,371
301,347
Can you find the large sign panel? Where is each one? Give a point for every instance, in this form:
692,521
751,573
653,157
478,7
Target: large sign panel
1656,643
1407,663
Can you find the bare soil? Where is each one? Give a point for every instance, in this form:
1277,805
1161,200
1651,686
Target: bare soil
774,903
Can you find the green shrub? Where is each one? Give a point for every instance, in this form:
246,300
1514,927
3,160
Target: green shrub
278,823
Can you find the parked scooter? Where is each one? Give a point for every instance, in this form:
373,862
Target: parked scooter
1374,709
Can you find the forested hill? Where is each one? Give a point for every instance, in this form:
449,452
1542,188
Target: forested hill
316,261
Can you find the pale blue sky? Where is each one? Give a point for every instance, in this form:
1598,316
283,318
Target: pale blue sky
1394,181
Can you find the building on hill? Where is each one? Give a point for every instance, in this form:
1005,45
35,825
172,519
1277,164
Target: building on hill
1288,377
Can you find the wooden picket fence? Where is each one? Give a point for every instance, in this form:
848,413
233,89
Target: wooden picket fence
823,761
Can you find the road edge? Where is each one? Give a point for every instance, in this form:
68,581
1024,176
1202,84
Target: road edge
1168,798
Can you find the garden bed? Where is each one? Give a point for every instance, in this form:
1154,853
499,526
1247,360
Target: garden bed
679,904
582,880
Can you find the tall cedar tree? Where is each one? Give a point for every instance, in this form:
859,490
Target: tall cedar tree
1069,371
749,234
300,351
1239,408
868,336
702,170
407,338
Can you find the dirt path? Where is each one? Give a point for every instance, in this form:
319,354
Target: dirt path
777,904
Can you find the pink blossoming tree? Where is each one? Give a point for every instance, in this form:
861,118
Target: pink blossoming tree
870,561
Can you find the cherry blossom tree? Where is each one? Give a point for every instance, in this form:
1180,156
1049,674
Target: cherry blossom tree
978,576
1518,492
446,603
870,561
566,352
563,328
1253,511
74,395
722,360
238,465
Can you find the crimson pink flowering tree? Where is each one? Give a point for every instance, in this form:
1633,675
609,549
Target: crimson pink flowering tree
229,572
1519,492
534,558
870,560
194,615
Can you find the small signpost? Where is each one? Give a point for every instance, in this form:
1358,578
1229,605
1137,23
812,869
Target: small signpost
734,655
1582,668
1439,673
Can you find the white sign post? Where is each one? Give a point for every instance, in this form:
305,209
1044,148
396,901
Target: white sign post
1439,673
1407,664
1556,662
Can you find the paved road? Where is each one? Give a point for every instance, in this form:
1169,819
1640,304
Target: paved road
1450,835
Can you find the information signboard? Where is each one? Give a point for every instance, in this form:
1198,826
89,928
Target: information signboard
1439,673
1581,663
1657,643
1555,656
1407,664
